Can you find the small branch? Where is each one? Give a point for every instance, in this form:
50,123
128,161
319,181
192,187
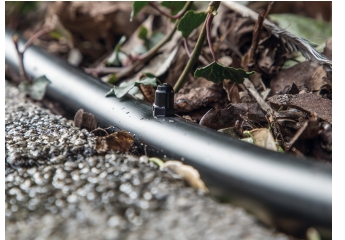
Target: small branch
257,31
177,16
186,47
213,6
251,89
36,36
296,136
15,39
208,32
102,70
20,56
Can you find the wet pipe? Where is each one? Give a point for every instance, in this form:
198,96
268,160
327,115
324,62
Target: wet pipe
282,190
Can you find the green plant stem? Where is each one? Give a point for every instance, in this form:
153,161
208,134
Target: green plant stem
196,52
192,60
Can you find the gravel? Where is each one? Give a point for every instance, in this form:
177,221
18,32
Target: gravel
58,187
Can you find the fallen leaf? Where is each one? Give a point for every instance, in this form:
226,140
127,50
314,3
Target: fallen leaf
188,99
306,102
263,137
120,91
85,120
37,89
118,141
187,173
224,118
299,74
114,60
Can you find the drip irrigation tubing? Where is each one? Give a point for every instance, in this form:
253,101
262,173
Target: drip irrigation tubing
274,186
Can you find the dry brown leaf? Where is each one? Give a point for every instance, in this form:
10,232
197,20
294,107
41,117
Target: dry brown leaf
187,173
118,141
188,99
85,120
232,91
224,118
306,102
264,138
299,74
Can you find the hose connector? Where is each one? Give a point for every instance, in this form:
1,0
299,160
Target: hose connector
164,101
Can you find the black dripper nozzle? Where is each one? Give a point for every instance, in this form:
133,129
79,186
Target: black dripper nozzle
164,101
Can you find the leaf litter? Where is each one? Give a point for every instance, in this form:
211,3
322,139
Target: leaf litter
288,96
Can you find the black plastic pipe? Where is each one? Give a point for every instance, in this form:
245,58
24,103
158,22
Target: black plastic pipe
278,187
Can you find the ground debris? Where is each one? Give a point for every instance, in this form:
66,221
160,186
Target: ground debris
223,118
189,99
186,172
306,102
118,141
85,120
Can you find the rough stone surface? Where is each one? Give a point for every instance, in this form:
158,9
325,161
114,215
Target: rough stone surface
58,187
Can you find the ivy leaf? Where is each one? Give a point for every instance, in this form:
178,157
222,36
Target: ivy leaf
137,6
114,59
216,73
37,89
190,21
174,6
120,91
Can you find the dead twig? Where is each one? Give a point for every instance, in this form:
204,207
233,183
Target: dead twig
15,38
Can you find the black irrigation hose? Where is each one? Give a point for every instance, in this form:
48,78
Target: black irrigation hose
281,186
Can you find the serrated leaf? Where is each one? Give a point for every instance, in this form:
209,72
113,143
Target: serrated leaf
120,91
137,6
317,31
38,87
143,33
174,6
216,73
114,58
190,21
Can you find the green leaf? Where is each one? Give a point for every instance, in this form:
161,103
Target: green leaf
143,33
190,21
216,73
38,88
317,31
137,6
150,75
120,91
114,59
174,6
